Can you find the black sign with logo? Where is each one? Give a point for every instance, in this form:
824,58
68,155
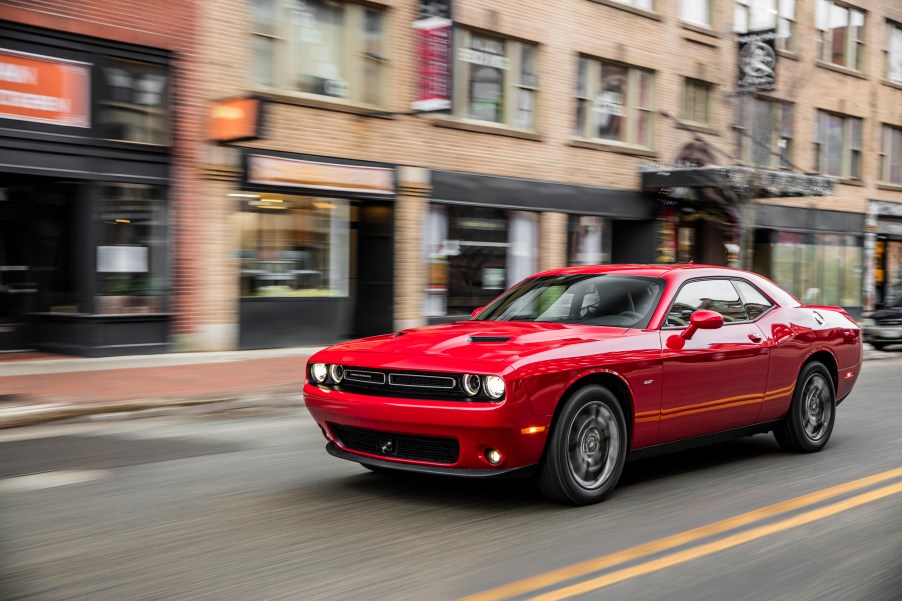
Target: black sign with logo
757,61
435,8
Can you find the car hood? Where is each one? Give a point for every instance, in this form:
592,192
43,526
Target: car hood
490,341
888,313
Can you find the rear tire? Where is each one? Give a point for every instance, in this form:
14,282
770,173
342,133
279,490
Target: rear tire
812,413
585,453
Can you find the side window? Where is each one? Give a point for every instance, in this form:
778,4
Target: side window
756,304
711,295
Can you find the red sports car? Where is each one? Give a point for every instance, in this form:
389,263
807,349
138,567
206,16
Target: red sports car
573,371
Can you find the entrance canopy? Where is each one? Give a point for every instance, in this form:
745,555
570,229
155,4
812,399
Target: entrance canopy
746,182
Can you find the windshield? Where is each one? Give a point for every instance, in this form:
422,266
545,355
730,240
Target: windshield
590,299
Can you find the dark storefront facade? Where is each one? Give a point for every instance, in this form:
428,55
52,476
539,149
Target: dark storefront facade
316,255
483,234
85,145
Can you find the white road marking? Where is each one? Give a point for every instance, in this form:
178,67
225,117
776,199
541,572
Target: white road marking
50,480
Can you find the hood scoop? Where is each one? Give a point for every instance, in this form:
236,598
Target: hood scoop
488,338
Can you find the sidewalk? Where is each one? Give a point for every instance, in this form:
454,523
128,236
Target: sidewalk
35,389
44,389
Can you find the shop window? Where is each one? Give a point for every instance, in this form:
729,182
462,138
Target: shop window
132,253
134,102
766,135
588,240
820,269
697,101
837,145
841,34
891,155
475,253
894,52
320,47
696,12
294,246
496,80
613,102
756,15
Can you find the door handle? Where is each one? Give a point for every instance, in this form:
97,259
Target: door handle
755,338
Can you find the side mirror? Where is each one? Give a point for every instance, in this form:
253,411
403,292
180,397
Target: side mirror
700,320
476,312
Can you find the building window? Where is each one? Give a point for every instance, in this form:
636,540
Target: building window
648,5
696,12
841,39
134,102
891,155
294,246
766,135
613,102
756,15
320,47
132,252
837,145
697,101
588,240
497,80
894,52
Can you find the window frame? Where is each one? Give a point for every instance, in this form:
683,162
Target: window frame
850,149
586,130
886,130
891,27
512,82
696,84
854,51
709,4
783,43
779,158
352,52
730,279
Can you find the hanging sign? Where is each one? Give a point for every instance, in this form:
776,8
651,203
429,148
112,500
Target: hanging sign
435,31
757,61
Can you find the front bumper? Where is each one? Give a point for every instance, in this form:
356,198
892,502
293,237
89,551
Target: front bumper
433,470
475,426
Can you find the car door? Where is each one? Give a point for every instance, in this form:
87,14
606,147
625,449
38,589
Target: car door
716,381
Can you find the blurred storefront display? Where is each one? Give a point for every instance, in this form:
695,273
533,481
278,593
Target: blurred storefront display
85,175
887,264
316,254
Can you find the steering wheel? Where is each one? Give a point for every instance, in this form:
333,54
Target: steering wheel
584,311
635,315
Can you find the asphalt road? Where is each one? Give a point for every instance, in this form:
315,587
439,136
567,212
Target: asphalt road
247,505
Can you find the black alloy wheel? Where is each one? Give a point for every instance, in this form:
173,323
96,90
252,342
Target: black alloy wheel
586,451
812,413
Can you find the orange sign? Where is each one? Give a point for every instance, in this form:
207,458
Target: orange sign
234,120
44,89
277,171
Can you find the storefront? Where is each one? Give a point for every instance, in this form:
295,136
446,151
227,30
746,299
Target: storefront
887,265
484,233
315,261
85,145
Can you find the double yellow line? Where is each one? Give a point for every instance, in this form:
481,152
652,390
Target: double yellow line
559,576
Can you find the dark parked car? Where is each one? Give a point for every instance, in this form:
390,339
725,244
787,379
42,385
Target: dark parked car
884,326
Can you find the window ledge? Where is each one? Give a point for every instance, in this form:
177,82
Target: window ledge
322,102
892,84
893,187
636,151
848,181
697,127
700,29
788,54
496,129
630,9
840,69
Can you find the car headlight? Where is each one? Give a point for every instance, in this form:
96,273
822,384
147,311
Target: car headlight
494,386
319,372
866,321
470,384
337,372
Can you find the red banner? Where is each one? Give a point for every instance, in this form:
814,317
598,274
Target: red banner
436,55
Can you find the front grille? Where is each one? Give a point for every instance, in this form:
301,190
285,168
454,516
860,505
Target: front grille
420,381
364,376
889,322
400,446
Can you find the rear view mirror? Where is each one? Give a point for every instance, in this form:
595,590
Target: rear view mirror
476,312
700,320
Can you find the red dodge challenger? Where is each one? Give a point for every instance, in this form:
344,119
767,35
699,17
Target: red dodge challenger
573,371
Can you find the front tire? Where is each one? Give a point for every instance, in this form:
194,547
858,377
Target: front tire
878,346
586,451
809,423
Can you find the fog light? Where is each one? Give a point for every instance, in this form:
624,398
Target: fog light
337,372
470,384
494,456
494,386
319,371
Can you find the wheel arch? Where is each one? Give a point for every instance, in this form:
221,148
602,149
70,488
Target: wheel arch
613,382
829,361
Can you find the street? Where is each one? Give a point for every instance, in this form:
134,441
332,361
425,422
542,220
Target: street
247,505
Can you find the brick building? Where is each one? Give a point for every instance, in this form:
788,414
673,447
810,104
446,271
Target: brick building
343,215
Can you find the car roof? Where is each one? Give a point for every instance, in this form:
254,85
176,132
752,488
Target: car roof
638,269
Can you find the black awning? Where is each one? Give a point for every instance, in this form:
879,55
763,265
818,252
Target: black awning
747,182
